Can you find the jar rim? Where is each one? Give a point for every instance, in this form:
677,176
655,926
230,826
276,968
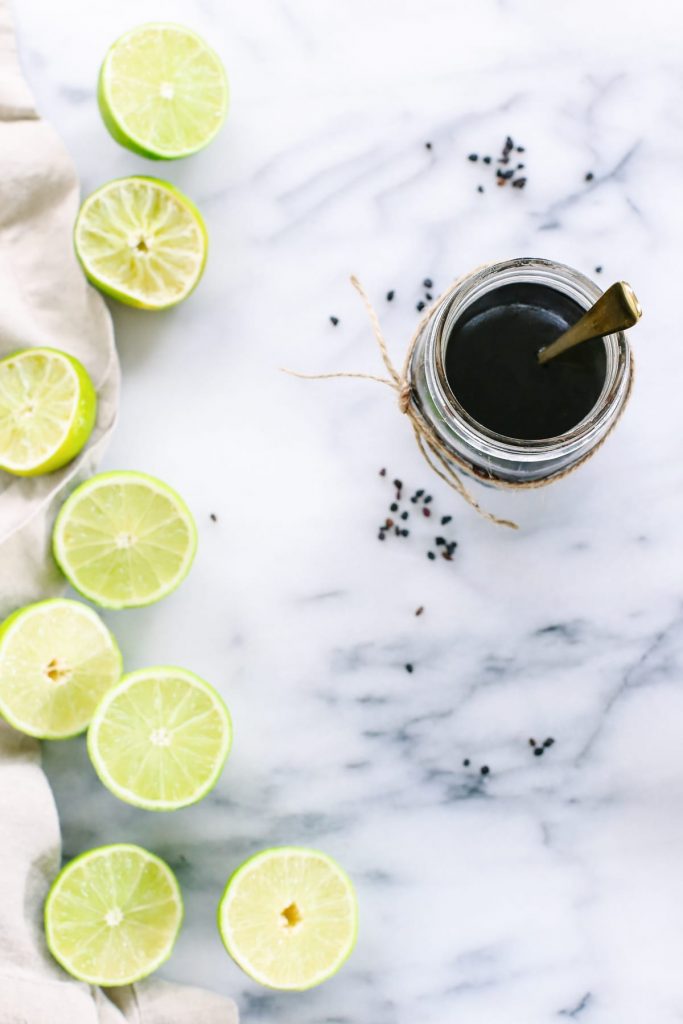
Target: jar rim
536,271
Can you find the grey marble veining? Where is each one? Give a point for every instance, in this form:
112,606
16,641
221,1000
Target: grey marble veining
550,889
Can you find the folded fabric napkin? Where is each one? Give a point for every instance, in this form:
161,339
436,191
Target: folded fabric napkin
45,300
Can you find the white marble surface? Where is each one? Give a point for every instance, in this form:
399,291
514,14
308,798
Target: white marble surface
553,888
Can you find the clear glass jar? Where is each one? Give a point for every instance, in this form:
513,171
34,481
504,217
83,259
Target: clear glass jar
484,454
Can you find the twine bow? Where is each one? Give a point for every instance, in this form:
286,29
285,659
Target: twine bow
435,453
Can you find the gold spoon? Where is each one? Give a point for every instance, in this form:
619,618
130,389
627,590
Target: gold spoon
615,310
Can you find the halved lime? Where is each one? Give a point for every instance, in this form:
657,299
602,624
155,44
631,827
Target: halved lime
57,659
113,914
159,740
162,91
289,917
47,410
124,539
141,241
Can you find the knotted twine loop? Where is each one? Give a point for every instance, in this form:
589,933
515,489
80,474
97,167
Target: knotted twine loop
432,449
438,456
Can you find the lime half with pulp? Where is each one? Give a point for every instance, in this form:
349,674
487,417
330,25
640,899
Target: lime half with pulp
162,91
113,914
48,407
289,918
57,660
124,539
142,241
159,740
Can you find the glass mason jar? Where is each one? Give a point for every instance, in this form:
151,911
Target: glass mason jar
482,453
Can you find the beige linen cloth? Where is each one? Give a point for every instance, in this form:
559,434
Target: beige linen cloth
45,300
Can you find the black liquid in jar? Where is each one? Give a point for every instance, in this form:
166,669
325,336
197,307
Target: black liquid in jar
492,367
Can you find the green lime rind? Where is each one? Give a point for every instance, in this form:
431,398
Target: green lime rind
52,938
99,761
82,420
121,476
114,124
106,286
223,910
19,618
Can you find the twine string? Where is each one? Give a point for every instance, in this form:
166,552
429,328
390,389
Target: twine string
433,450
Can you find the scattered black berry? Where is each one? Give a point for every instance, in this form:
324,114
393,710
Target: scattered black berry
519,183
466,762
213,517
428,283
473,157
420,306
334,320
393,523
409,667
502,176
538,751
390,295
598,270
532,743
428,145
589,176
484,769
420,610
549,742
428,296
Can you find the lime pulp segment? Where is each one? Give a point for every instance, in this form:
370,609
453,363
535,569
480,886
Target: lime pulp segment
289,917
142,241
160,739
47,410
113,914
57,659
124,539
162,91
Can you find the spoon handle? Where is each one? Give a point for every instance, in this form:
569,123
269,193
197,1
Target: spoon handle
615,310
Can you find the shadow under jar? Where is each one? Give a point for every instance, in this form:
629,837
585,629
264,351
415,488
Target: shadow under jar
477,384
